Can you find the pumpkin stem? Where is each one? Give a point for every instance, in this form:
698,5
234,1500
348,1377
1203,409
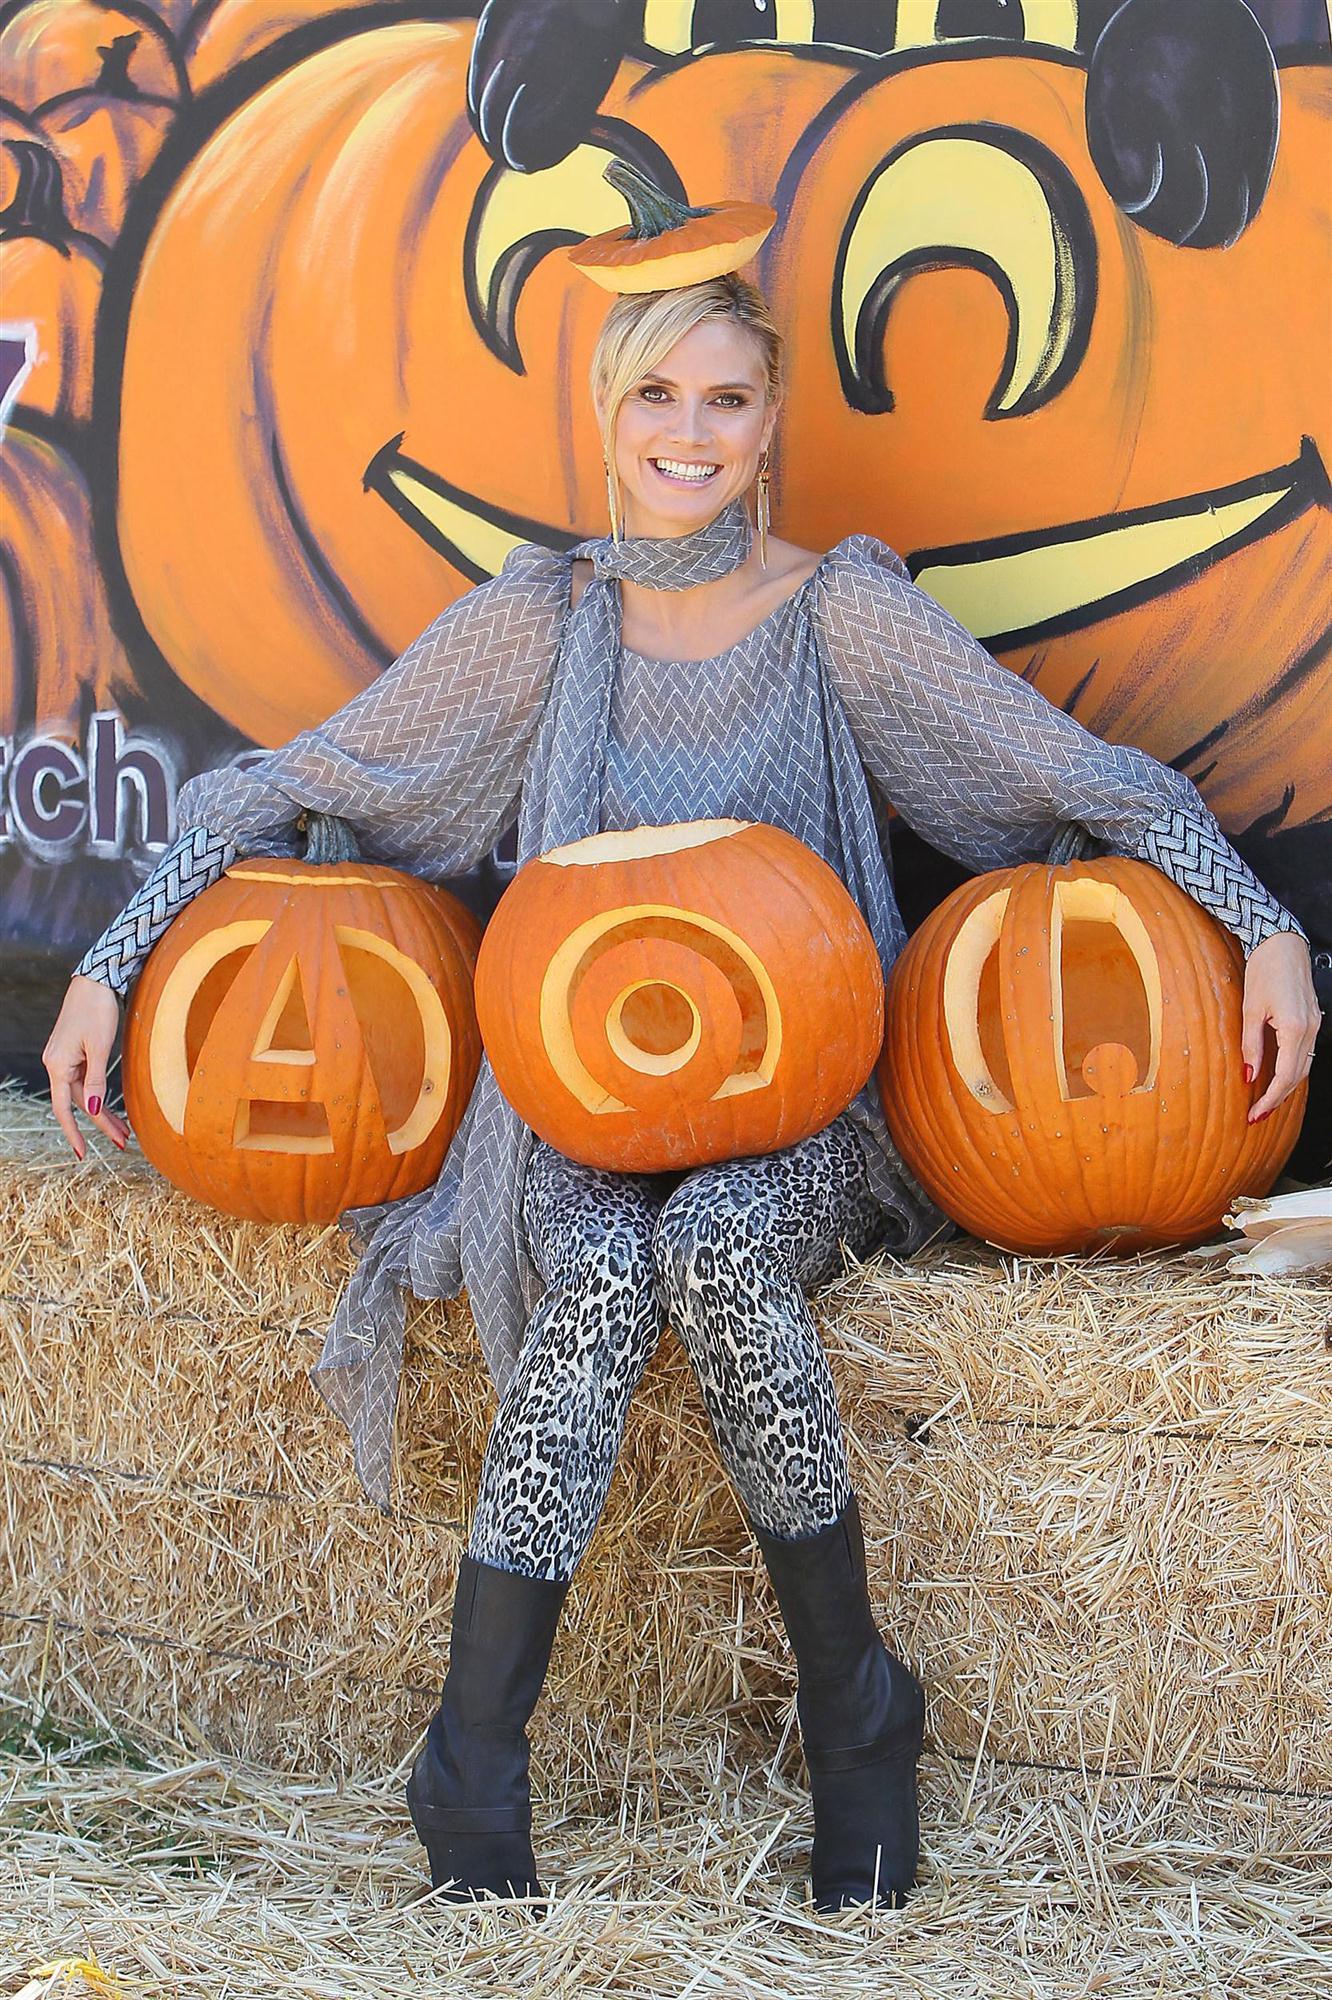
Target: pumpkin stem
38,206
115,79
1069,844
651,210
327,838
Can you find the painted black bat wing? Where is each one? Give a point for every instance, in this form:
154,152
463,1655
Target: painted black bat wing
538,74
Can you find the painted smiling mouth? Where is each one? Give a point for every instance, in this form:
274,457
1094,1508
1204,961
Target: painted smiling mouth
1008,590
1013,589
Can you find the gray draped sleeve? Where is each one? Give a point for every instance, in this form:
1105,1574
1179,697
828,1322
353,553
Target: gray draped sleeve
985,768
426,764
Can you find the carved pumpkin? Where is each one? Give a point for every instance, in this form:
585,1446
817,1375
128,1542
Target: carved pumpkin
1019,390
280,568
50,277
658,999
302,1040
1062,1067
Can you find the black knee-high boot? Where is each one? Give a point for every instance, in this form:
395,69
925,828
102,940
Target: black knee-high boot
862,1717
468,1792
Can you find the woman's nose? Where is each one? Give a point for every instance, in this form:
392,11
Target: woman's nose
691,423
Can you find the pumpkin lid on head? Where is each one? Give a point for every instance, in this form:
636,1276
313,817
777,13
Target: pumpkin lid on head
667,244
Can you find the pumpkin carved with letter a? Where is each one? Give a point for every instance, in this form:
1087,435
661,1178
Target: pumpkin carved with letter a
1062,1066
658,999
303,1039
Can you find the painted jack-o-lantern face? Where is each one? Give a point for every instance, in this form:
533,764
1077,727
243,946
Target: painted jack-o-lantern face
303,1039
1062,1064
1102,451
392,312
658,999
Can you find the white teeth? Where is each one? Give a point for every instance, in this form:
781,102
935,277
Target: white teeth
678,468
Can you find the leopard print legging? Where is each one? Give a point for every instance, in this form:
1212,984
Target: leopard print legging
724,1253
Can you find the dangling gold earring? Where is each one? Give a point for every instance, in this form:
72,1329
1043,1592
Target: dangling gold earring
613,503
763,508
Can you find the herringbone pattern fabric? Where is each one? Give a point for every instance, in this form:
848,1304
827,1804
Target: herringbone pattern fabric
198,859
988,770
427,763
859,690
1197,857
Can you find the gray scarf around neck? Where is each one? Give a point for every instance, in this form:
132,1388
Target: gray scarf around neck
562,790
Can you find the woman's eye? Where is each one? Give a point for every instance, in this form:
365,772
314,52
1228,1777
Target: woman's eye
651,392
731,400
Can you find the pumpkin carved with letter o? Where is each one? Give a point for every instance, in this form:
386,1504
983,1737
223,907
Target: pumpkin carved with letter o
659,999
1062,1067
302,1040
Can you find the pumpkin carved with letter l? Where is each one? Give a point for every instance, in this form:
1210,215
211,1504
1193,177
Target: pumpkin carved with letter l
658,999
303,1039
1062,1067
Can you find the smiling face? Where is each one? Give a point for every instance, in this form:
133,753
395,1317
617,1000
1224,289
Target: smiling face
688,435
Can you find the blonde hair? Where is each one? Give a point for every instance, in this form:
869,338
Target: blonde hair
641,328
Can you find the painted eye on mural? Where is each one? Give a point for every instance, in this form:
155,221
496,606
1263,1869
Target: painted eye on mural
517,219
975,197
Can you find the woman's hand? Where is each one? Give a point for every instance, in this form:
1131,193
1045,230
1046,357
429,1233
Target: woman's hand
1279,992
76,1058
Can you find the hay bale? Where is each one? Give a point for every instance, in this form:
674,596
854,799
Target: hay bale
1096,1498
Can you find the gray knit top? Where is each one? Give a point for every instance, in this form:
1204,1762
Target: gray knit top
858,690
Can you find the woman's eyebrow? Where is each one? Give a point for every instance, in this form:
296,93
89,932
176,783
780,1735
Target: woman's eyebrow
666,383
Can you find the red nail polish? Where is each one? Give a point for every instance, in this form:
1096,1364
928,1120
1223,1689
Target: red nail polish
1248,1072
118,1142
94,1106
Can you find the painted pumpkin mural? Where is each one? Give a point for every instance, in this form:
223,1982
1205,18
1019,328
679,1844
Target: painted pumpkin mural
1056,276
50,275
105,84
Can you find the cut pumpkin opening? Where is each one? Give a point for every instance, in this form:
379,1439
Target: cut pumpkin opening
264,1126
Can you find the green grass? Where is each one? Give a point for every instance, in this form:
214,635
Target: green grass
58,1740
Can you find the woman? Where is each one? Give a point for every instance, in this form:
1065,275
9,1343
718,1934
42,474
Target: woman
675,672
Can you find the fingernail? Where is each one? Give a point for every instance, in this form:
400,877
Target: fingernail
118,1142
94,1106
1248,1072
